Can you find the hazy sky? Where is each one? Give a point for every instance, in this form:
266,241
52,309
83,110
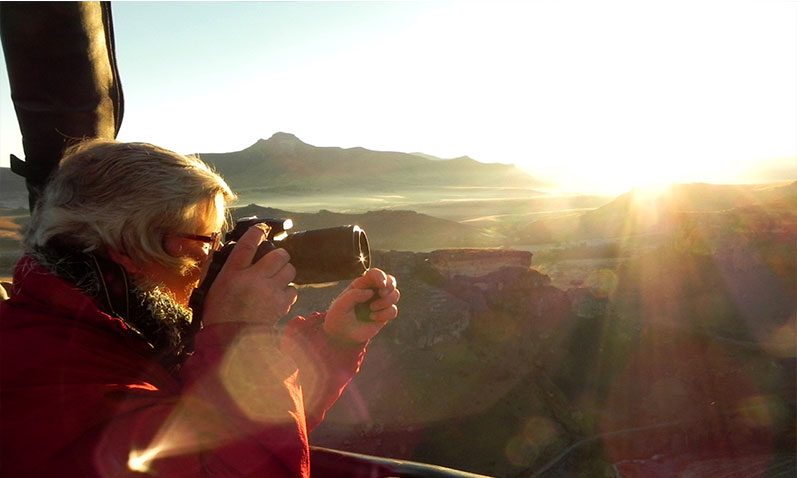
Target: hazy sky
595,95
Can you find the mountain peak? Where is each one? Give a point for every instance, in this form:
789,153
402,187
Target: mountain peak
279,142
280,139
284,137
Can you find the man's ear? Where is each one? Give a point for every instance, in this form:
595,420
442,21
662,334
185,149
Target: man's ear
123,260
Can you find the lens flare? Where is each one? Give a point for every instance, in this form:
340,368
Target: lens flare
140,460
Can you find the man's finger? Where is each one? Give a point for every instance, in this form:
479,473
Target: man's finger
244,251
374,278
273,262
286,274
389,299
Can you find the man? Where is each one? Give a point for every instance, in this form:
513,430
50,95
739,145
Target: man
101,375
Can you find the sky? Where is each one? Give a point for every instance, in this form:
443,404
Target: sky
596,96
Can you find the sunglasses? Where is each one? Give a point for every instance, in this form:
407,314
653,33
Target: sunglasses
213,240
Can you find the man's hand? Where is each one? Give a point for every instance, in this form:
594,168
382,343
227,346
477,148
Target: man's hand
341,321
258,293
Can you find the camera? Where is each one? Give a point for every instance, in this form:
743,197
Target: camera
318,255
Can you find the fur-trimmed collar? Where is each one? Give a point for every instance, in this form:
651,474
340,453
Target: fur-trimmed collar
148,311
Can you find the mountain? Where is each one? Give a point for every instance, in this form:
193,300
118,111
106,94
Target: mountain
284,166
284,162
643,212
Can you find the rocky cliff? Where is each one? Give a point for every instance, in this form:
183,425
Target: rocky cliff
493,370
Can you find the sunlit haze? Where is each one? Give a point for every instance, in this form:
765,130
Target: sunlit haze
595,96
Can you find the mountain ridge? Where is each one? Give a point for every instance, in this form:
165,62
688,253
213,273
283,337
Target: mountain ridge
284,164
284,160
642,212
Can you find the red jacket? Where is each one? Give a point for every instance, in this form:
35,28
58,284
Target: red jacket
82,396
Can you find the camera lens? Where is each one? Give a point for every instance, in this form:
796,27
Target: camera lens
328,255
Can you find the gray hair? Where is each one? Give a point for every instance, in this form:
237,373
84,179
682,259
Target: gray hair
125,196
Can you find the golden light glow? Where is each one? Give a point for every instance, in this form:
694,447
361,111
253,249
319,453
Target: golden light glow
140,460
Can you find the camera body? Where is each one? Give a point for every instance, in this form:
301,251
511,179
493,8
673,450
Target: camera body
318,255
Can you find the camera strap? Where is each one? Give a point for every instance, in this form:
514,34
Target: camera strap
114,286
197,300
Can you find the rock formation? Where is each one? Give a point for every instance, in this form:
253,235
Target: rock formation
468,354
491,369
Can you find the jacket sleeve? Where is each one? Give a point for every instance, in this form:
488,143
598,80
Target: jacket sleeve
249,398
325,365
240,413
